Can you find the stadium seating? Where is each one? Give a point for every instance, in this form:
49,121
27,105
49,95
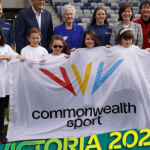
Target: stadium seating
85,9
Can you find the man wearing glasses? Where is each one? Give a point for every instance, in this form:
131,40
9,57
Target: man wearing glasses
34,16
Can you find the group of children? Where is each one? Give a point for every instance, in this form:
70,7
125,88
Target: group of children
37,53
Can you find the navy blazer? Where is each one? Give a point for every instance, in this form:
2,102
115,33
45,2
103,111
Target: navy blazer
77,34
27,20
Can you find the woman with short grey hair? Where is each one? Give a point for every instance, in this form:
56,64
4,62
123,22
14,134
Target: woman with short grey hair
71,32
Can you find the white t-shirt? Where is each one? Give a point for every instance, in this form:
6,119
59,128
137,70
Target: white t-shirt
34,53
50,57
4,70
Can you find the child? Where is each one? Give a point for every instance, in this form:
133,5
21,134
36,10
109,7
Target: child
89,39
125,38
6,54
34,51
59,47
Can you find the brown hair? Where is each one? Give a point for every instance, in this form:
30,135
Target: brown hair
3,40
94,14
34,30
94,37
125,35
144,3
122,9
59,37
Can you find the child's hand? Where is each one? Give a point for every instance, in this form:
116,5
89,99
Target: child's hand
7,57
149,50
67,56
22,58
108,46
72,50
43,60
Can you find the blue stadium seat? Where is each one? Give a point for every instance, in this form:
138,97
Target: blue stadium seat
135,4
91,1
120,4
113,8
108,4
87,4
77,20
57,4
83,7
64,3
97,1
77,1
88,24
91,7
108,16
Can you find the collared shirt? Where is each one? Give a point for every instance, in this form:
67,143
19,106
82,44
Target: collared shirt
38,17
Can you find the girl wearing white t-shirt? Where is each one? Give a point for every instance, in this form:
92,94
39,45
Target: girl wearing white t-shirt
59,47
6,54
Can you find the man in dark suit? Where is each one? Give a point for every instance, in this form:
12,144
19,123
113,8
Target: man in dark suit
34,16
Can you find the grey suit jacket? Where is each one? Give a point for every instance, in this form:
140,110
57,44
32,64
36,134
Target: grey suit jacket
137,32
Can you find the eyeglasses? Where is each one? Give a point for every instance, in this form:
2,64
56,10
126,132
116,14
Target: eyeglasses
55,46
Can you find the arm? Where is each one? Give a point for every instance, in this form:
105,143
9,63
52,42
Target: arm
113,37
5,57
20,29
22,58
139,37
81,37
11,37
55,31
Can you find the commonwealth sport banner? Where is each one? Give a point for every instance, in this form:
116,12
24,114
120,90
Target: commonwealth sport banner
96,90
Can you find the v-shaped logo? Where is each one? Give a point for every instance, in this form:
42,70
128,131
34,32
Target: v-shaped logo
67,84
100,80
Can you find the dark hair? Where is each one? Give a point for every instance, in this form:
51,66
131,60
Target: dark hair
59,37
3,39
94,37
122,9
127,35
94,14
144,3
34,30
149,34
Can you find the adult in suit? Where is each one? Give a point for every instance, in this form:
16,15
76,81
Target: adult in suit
71,32
125,18
34,16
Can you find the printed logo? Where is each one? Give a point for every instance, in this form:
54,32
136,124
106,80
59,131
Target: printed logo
83,84
65,38
67,84
5,28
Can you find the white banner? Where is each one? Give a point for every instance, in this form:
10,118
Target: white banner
96,90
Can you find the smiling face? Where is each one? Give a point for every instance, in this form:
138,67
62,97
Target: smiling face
126,43
34,39
127,14
89,42
38,4
145,10
1,10
100,17
69,16
57,47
